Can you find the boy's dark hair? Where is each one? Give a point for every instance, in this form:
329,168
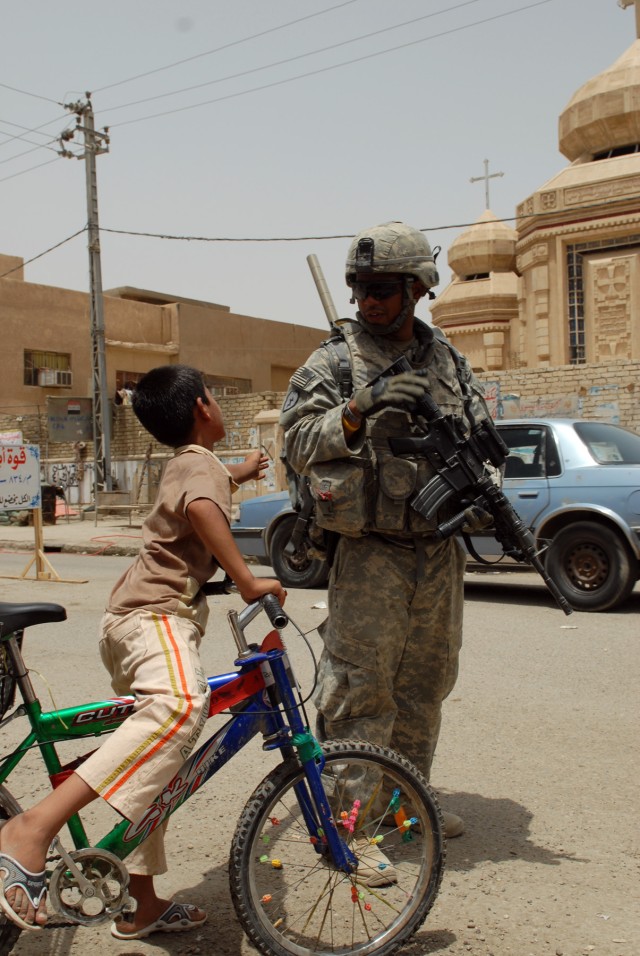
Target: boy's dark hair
164,399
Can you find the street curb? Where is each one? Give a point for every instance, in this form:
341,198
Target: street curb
86,548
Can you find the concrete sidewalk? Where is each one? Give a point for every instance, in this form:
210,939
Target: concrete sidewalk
111,535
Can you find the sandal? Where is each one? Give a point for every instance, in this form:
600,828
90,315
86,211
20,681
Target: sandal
34,885
177,918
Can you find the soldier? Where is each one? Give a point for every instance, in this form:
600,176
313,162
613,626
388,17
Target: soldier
394,628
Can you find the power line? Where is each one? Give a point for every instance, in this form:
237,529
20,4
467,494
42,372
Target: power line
26,152
225,46
430,229
46,252
30,169
335,66
344,235
291,59
27,93
26,129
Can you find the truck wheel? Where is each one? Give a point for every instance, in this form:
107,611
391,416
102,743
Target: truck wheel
591,566
294,571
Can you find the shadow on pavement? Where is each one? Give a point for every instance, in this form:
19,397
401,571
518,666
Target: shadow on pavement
496,587
496,829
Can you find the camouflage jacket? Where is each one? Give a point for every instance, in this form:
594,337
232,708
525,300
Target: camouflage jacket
361,486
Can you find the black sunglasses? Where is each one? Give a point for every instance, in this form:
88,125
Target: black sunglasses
376,290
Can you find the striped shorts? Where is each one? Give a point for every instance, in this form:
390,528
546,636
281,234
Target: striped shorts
155,657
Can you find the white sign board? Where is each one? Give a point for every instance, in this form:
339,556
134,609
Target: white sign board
19,477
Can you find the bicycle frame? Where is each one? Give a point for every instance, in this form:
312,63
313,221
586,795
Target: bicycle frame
263,694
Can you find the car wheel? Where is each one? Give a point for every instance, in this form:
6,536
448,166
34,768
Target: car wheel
591,566
294,571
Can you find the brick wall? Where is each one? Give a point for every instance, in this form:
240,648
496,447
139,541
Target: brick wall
610,392
606,391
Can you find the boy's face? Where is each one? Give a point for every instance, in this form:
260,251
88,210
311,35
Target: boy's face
216,424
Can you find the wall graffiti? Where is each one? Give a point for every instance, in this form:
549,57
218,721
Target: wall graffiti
65,475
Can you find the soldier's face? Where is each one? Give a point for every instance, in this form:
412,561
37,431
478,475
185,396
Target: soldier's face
379,310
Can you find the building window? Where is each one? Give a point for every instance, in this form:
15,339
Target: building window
219,385
575,289
47,369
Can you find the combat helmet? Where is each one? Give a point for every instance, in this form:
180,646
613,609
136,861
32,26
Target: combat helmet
392,247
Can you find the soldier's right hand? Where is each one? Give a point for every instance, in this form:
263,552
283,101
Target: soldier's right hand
397,391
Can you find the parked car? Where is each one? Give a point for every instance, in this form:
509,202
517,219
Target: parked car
575,483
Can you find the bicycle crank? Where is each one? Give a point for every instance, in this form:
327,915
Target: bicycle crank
88,886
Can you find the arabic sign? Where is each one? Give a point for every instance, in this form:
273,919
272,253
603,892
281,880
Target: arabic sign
19,477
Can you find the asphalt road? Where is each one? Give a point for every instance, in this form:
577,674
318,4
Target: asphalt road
538,753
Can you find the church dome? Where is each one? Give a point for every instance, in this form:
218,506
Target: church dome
487,246
604,114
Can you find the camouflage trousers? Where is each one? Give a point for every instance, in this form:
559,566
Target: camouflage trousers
391,643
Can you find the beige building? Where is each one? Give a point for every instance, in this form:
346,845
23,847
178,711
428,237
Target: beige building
48,352
563,288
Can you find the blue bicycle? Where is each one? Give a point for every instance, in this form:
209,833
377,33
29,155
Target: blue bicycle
339,849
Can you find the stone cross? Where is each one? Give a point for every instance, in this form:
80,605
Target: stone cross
630,3
487,176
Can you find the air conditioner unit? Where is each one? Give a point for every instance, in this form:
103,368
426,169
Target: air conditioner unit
64,377
230,390
49,377
46,376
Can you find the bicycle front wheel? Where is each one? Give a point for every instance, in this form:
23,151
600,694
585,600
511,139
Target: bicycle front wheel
290,898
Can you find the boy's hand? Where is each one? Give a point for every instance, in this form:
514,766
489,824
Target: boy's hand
258,587
253,467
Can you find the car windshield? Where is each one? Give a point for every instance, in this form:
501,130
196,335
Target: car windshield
610,444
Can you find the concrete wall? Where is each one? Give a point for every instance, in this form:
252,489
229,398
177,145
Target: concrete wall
142,330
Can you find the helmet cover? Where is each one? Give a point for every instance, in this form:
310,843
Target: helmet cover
392,247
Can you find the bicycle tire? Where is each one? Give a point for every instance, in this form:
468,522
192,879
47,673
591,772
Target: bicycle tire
9,932
292,902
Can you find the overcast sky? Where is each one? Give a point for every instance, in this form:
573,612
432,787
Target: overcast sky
297,118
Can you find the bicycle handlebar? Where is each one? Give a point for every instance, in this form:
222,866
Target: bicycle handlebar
274,611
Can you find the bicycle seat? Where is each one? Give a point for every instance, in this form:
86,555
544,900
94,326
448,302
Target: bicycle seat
14,617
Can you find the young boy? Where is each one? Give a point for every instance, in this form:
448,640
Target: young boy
152,629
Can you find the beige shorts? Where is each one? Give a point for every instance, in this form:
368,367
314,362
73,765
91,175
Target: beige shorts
155,658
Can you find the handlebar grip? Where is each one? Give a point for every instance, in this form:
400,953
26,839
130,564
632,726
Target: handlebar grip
218,587
274,612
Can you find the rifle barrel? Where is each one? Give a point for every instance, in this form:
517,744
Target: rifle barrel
323,289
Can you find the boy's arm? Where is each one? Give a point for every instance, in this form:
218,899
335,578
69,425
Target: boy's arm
209,523
254,466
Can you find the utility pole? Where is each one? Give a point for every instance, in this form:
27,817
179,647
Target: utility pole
94,144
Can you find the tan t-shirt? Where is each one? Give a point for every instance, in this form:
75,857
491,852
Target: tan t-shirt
173,562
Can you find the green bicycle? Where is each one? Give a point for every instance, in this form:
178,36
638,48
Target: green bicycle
338,850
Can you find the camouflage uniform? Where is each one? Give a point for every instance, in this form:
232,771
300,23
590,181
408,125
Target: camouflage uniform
394,629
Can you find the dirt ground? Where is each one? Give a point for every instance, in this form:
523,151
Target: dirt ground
538,753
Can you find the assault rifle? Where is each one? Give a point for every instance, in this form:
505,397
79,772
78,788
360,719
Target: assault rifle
459,460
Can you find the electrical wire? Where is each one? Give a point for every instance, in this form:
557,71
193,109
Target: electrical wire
36,96
46,251
33,149
25,130
430,229
30,169
330,68
225,46
291,59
